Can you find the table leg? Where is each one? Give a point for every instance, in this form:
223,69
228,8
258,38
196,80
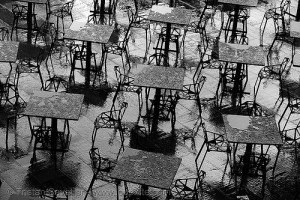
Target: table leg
167,44
246,163
54,135
235,21
298,12
29,22
237,93
88,64
144,192
156,112
102,10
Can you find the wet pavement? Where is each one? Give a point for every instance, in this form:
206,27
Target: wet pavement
18,177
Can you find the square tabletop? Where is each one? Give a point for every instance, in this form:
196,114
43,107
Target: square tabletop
240,2
171,15
295,29
28,51
54,105
89,32
22,197
152,76
146,168
252,130
245,54
34,1
8,51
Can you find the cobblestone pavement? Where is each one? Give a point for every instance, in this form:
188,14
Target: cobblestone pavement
76,163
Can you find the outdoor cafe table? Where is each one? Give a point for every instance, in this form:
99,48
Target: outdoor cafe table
240,54
146,169
30,14
54,105
295,33
169,15
158,77
249,130
89,33
237,4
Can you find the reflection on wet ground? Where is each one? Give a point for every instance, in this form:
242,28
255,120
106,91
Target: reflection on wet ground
75,168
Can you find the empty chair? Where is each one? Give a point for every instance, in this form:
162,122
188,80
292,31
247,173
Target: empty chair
273,71
101,167
187,188
213,141
20,19
192,91
277,15
138,20
60,11
110,119
118,45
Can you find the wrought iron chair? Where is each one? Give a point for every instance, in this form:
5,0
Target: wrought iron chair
108,10
192,91
277,15
32,64
118,45
60,11
241,32
79,54
138,20
42,134
101,167
20,19
213,141
175,35
274,72
110,119
227,80
4,34
125,83
188,188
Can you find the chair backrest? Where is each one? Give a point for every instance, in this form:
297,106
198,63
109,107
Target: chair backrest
122,110
101,166
19,11
157,59
4,34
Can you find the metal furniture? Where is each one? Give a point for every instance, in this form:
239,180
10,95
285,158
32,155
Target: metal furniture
57,106
102,168
152,169
100,9
31,25
60,11
234,77
169,15
236,16
295,34
9,88
272,71
110,119
138,19
252,131
30,58
277,15
118,45
160,78
90,33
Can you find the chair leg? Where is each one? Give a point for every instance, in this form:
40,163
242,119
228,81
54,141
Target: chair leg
90,186
94,136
